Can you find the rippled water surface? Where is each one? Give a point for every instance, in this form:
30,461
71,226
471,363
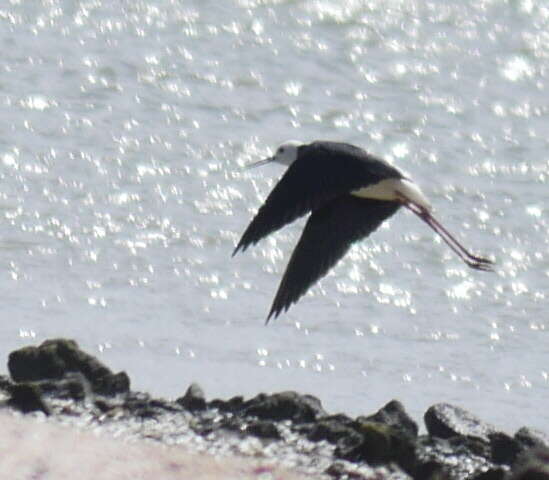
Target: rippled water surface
124,127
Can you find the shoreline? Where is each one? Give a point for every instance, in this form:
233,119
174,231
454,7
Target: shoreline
282,435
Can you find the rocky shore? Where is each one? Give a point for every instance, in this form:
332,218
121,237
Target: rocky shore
57,383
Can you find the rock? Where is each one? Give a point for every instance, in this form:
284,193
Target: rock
111,384
26,397
378,443
492,474
5,383
263,429
331,428
284,406
232,405
338,471
444,421
431,471
532,465
394,415
466,445
459,457
141,405
194,399
55,358
505,449
528,438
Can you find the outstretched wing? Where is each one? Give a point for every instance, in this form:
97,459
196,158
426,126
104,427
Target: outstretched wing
324,171
327,236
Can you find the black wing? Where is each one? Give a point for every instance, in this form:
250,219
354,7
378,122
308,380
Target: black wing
324,171
327,236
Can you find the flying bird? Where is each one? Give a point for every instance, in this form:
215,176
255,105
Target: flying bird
349,193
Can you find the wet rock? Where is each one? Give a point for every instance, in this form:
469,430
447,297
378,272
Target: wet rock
460,457
103,406
338,471
505,449
194,399
532,465
378,443
206,425
444,421
141,405
5,383
56,376
394,415
529,437
431,470
492,474
263,429
55,358
232,405
330,428
111,384
465,445
284,406
73,386
26,397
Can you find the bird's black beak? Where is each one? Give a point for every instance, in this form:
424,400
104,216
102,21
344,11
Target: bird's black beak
259,163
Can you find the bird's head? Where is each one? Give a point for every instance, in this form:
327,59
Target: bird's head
286,154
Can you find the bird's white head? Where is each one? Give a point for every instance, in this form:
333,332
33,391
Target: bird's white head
286,154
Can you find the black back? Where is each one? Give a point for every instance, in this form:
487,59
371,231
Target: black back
322,172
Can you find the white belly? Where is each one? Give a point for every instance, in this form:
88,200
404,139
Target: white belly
387,190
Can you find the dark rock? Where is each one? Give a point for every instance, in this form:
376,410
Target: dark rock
26,397
431,471
460,457
528,438
338,470
378,443
103,405
394,415
331,428
111,384
38,363
139,405
263,429
491,474
284,406
55,358
444,421
232,405
466,445
505,449
533,464
5,383
194,399
73,386
165,405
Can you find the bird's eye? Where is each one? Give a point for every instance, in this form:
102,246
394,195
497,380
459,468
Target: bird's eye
281,150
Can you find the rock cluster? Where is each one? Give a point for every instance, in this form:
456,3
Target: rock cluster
65,383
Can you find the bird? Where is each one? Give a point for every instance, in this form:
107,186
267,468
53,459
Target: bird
349,193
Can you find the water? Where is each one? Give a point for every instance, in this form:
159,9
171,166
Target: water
124,129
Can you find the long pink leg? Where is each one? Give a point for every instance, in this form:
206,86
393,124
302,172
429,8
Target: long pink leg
473,261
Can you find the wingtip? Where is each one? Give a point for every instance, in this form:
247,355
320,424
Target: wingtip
239,248
272,314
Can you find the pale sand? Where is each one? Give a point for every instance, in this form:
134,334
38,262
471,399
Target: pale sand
40,450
